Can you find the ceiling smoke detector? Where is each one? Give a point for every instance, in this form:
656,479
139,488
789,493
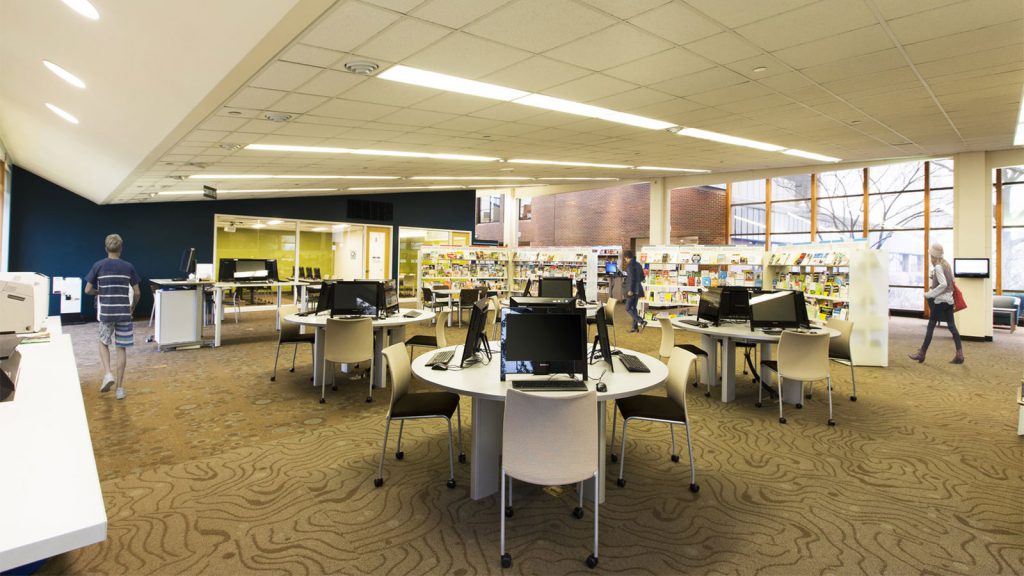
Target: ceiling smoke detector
363,68
277,116
230,146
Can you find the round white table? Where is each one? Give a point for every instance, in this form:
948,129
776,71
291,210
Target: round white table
385,331
729,334
482,382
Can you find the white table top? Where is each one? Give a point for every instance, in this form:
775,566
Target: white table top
169,282
484,380
401,320
52,502
261,284
742,331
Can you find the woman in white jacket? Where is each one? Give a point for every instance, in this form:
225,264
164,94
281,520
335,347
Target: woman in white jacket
940,302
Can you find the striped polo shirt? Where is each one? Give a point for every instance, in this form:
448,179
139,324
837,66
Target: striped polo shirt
113,279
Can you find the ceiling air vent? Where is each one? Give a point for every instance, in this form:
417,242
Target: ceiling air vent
363,68
371,210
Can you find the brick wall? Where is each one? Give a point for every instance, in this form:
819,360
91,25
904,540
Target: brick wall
700,211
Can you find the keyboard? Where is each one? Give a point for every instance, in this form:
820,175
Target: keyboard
633,364
442,357
549,385
697,323
413,314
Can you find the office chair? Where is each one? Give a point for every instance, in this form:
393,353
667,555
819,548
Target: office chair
670,410
291,333
839,352
668,343
316,273
802,357
467,298
411,406
430,302
348,340
609,318
438,340
528,453
494,316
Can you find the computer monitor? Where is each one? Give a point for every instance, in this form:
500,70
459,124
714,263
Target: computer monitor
271,267
556,288
581,290
611,267
251,269
226,270
971,267
357,298
529,287
801,310
188,262
707,308
601,342
391,297
325,300
734,304
543,341
476,335
535,302
775,310
316,273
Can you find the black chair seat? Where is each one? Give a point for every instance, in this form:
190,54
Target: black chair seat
693,349
422,340
425,404
655,407
745,344
772,365
311,338
591,321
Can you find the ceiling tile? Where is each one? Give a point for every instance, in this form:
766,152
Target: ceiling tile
261,126
536,74
891,9
507,112
787,80
348,25
456,13
467,56
351,110
724,48
966,42
412,117
403,6
297,129
387,92
1006,55
331,83
819,20
953,19
743,91
625,10
403,39
310,55
610,47
839,47
539,25
677,23
298,103
284,76
746,67
451,103
735,13
468,124
857,66
698,82
257,98
633,99
657,67
589,88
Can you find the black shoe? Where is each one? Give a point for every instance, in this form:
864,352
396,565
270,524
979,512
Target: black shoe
643,325
633,331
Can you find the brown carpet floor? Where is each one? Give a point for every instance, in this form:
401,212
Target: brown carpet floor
208,467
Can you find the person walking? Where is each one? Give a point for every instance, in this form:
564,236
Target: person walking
634,289
940,302
115,283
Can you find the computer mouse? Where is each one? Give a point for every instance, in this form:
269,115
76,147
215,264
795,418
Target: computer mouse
439,367
601,387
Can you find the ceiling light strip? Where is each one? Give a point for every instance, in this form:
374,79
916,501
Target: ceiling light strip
62,113
370,152
84,8
286,177
561,163
64,74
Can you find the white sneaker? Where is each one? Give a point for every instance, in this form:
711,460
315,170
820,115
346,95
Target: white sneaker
119,394
108,381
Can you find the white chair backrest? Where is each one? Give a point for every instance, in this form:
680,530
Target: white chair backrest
550,439
399,369
680,363
439,334
348,340
839,347
493,305
803,357
609,310
668,337
289,328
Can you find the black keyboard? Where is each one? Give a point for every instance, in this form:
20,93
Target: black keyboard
690,322
549,385
442,357
633,364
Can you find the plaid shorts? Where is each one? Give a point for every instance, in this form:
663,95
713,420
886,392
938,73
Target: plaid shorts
122,334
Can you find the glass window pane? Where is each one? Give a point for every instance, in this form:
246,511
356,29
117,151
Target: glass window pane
1013,174
791,187
787,239
906,299
748,219
748,240
896,211
942,173
841,183
906,256
1013,259
941,204
1013,205
944,237
525,209
750,191
896,177
841,214
791,217
839,236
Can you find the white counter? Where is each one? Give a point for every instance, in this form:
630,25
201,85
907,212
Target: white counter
50,498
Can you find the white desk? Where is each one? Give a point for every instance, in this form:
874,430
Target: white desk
482,382
385,332
729,334
52,501
218,301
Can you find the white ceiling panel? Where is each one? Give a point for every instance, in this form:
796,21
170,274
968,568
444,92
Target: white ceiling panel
857,66
1000,35
461,54
656,67
397,5
591,87
858,42
298,103
256,98
403,39
456,13
412,117
610,47
625,10
539,25
735,93
227,123
450,103
387,92
735,13
536,74
953,19
349,25
1008,56
310,55
633,99
677,23
284,76
807,23
351,110
724,48
892,9
702,81
331,83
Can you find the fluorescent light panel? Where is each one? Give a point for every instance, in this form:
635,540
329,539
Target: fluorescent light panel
579,109
662,168
726,139
246,191
470,178
811,155
84,8
64,74
369,152
275,222
407,187
63,114
577,178
560,163
285,177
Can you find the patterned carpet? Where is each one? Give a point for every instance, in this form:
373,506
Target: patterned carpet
208,467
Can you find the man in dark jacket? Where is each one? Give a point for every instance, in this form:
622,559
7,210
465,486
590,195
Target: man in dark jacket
634,289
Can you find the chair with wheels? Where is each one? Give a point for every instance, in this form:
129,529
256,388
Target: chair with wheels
493,316
839,350
291,333
802,357
414,406
528,454
430,301
348,341
467,298
669,409
668,343
438,340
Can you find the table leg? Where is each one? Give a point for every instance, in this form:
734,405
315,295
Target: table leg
379,335
318,354
710,345
485,464
277,319
602,442
200,313
728,370
218,316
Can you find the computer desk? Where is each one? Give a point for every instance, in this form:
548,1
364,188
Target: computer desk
482,382
218,301
386,331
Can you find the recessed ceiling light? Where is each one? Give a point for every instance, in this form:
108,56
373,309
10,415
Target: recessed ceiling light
275,222
577,178
811,155
320,229
854,122
62,113
84,8
235,112
64,74
438,81
408,187
369,152
286,177
259,225
470,178
559,163
670,169
579,109
760,69
277,116
726,139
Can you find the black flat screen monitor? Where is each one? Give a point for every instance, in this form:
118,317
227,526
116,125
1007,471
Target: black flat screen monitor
251,269
707,308
325,300
226,270
801,309
775,310
611,267
734,304
357,298
543,341
535,302
188,262
601,342
529,287
970,267
476,335
581,290
556,288
391,297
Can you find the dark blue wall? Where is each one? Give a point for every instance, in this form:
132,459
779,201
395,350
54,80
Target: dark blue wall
58,233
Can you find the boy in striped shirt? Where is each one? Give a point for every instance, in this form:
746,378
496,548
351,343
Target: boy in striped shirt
115,283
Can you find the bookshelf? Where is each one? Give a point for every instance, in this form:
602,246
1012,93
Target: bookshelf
463,266
845,280
676,274
606,254
547,261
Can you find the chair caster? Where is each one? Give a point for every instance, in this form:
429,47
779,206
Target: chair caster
615,458
707,394
577,512
369,398
675,457
694,488
334,387
273,378
322,401
399,455
853,398
782,420
451,483
831,422
808,396
621,482
462,458
506,560
696,384
291,369
310,378
509,512
799,406
757,404
378,482
591,561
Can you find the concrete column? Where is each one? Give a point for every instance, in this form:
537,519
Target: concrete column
661,212
972,238
510,219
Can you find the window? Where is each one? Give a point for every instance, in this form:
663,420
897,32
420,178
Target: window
1010,262
749,212
488,209
526,208
840,205
791,210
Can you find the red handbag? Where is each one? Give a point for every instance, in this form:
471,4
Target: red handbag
958,299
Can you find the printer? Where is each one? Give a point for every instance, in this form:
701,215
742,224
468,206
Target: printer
24,301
